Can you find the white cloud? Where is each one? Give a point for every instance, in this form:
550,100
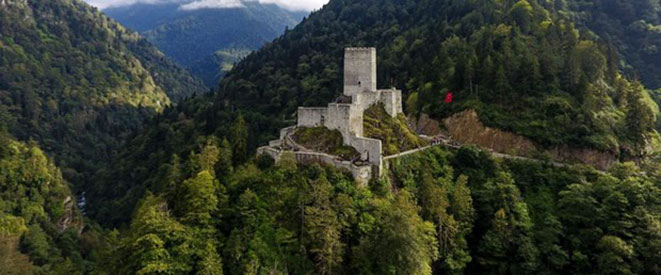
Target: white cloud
212,4
306,5
102,4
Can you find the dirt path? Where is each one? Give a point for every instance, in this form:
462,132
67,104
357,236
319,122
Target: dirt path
495,154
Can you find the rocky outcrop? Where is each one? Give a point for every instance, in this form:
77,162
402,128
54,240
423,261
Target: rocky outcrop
424,125
466,128
600,160
71,217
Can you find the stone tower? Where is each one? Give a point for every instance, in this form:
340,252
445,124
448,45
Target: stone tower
359,70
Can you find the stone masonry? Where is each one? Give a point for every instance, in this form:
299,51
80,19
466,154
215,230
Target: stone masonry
346,114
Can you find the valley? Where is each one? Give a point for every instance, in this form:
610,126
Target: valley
207,41
491,137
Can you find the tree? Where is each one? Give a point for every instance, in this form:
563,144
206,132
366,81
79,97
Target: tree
208,157
239,140
224,167
211,263
321,228
199,200
640,117
501,84
522,13
401,241
510,234
614,256
156,242
463,214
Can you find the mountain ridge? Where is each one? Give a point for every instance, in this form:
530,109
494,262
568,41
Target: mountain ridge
80,82
191,37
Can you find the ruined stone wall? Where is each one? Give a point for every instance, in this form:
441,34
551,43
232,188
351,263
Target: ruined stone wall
311,117
359,70
364,100
369,149
361,174
345,118
286,131
392,101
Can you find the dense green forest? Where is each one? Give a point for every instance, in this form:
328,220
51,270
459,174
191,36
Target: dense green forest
39,220
440,211
212,68
78,83
632,27
523,65
207,39
187,195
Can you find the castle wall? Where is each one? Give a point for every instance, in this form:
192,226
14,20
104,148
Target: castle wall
311,117
361,174
365,100
359,70
392,101
345,118
286,131
360,85
369,148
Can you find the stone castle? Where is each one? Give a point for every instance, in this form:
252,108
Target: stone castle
346,116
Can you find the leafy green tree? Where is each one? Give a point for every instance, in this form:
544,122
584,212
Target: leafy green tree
224,166
156,244
640,117
208,157
239,140
211,263
522,13
614,256
199,200
401,243
462,211
510,233
322,229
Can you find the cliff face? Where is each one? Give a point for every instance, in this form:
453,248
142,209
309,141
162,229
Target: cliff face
466,128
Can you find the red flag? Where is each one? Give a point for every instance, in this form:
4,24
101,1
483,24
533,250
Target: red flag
448,97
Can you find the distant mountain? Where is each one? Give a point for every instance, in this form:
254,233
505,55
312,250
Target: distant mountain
193,37
79,83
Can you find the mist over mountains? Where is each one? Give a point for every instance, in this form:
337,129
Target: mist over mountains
296,5
207,37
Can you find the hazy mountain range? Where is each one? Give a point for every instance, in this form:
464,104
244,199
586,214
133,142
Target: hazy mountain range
207,39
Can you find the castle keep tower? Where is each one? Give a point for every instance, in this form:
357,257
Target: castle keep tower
359,70
346,116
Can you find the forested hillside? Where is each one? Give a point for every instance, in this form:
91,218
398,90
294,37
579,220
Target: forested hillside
192,37
439,211
39,220
78,83
187,195
632,27
522,65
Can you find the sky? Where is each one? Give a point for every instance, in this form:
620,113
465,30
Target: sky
306,5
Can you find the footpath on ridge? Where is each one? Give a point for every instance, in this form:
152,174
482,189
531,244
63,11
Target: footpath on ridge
445,142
